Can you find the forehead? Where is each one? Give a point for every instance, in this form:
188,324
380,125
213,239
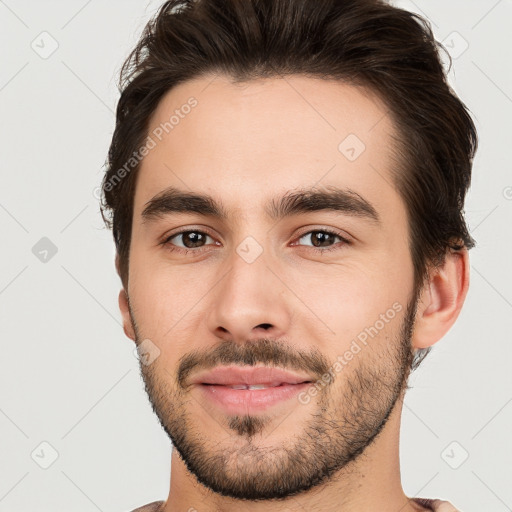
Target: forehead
246,142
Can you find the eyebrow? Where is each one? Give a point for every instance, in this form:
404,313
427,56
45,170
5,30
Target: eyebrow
330,198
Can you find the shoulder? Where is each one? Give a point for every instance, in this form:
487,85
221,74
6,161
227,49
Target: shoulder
436,505
156,506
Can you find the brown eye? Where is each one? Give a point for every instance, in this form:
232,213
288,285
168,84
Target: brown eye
191,239
322,238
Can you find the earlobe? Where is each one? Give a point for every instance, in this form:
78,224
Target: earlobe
441,299
125,312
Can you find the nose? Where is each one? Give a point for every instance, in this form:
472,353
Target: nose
249,302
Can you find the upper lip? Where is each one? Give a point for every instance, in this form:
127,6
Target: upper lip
233,375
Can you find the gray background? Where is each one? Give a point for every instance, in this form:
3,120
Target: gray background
69,378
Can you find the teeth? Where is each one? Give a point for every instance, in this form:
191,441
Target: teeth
254,386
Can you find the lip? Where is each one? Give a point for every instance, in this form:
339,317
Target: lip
248,401
237,375
282,386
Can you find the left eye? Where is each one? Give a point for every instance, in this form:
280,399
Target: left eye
320,237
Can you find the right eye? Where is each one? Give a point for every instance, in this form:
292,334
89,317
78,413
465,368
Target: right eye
191,240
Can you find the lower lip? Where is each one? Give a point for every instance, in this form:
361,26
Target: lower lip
238,401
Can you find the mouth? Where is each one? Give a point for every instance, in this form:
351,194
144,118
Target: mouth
256,386
248,389
266,376
237,399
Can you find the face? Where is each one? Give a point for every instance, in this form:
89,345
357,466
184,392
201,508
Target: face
294,256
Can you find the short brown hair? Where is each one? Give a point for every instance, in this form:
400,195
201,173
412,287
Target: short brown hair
361,42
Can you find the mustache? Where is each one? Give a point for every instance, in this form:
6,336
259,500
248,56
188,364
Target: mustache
264,351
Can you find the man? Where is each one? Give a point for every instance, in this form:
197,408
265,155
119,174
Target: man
286,185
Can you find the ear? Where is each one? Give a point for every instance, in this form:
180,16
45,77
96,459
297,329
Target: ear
118,269
125,312
124,308
441,299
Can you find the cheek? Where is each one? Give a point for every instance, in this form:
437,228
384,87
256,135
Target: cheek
165,299
347,303
341,295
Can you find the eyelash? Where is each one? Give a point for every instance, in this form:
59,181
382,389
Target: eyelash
166,243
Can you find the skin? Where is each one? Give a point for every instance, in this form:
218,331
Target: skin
244,144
